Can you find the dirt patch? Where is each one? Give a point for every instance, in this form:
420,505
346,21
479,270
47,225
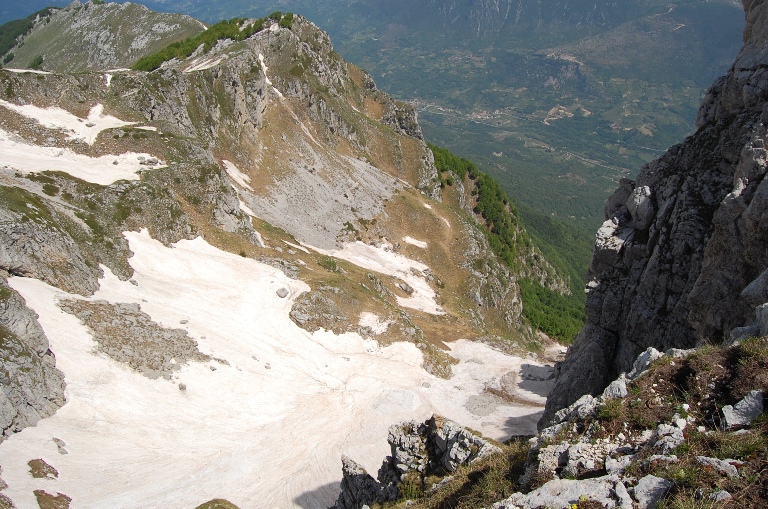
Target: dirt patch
39,469
47,501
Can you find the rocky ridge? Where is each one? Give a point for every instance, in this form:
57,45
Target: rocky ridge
681,257
86,36
31,386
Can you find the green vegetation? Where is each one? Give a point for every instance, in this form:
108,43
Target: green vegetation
29,206
217,503
328,263
36,62
286,21
491,203
11,31
558,316
236,29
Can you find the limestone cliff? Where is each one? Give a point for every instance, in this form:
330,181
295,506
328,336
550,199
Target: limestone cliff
680,259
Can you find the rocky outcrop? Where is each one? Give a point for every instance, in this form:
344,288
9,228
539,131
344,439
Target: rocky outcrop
30,239
680,256
91,36
437,446
31,388
609,451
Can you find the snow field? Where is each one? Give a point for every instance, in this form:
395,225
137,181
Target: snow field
267,430
28,158
86,129
414,242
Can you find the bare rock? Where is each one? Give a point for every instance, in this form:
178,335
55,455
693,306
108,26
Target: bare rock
607,490
358,488
650,490
724,467
743,412
31,387
673,263
616,389
667,438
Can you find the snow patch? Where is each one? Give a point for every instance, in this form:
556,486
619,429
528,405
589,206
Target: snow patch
414,242
383,260
245,208
268,429
22,71
374,322
86,129
265,68
296,246
428,206
241,178
202,63
28,158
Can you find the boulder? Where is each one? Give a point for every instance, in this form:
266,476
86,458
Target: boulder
724,467
744,412
561,493
650,490
667,438
616,389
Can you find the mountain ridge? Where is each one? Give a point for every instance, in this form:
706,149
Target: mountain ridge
240,244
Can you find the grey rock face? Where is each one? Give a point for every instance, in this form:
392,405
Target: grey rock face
453,445
607,490
743,412
437,446
681,244
31,388
358,488
27,246
725,467
650,490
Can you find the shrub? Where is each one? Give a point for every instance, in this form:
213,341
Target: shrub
329,264
36,62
